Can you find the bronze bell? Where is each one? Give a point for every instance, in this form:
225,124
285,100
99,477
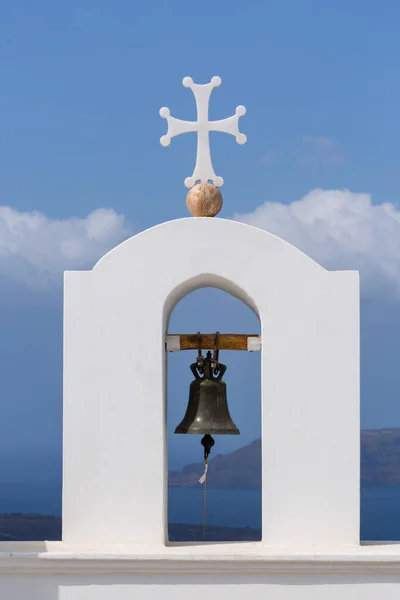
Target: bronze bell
207,410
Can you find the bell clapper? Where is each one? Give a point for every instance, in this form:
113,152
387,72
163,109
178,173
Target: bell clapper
207,442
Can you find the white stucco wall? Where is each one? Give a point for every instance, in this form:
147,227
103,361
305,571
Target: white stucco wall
228,588
363,574
116,317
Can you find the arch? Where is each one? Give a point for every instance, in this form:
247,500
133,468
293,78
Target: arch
182,290
115,322
233,235
209,309
204,280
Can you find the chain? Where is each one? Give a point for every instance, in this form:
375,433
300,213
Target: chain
205,499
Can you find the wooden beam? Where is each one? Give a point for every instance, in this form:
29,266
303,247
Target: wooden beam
227,341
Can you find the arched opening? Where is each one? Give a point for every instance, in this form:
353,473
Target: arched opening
234,475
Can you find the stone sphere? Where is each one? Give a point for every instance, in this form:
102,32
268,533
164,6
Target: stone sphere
204,200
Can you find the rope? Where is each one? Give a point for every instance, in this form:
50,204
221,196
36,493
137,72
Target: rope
205,499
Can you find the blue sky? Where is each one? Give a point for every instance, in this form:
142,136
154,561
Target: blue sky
81,86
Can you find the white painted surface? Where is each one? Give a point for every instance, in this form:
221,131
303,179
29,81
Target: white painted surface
116,318
173,343
203,170
254,343
237,588
357,575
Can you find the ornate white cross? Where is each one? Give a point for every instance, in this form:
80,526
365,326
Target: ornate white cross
203,170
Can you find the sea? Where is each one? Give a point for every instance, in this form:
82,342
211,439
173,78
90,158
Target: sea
380,506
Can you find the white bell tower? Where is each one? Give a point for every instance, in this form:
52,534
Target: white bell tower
115,543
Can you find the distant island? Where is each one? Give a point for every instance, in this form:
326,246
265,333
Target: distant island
32,527
380,464
29,527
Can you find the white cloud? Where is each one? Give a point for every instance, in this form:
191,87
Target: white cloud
340,230
36,250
